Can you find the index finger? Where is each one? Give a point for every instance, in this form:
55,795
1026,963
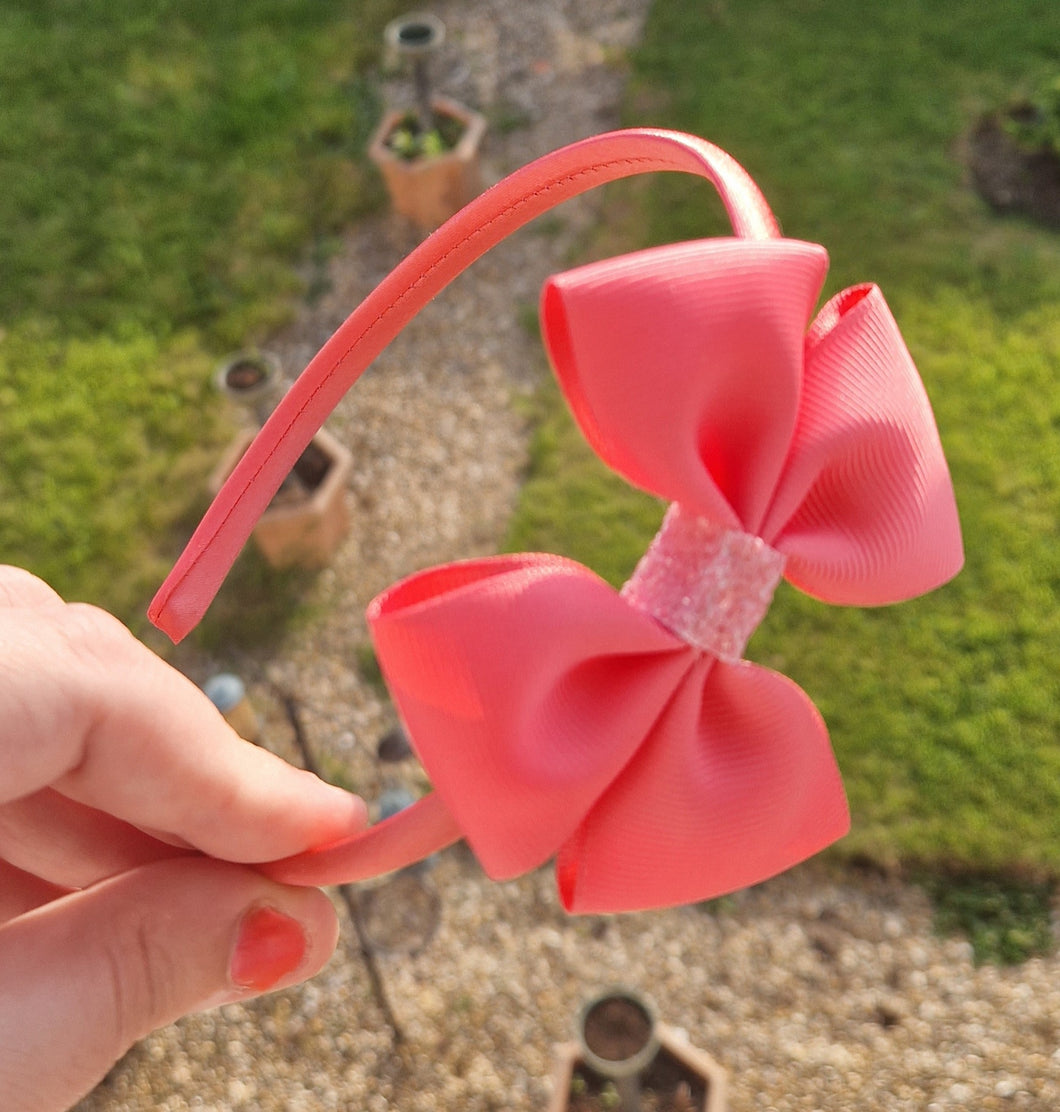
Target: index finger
19,588
87,709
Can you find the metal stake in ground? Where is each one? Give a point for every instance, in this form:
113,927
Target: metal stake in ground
417,37
348,893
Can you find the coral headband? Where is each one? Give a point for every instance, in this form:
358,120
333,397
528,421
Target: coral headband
622,732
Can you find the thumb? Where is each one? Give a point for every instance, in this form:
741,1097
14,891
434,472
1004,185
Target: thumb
82,978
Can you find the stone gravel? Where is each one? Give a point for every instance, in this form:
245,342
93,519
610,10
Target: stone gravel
817,990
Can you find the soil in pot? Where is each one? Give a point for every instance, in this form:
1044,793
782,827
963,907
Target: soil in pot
306,476
616,1028
667,1085
244,375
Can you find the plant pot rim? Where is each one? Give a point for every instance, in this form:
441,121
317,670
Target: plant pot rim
635,1063
392,33
268,361
674,1041
341,463
466,148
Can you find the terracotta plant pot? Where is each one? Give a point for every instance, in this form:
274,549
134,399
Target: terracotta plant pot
309,515
623,1054
430,190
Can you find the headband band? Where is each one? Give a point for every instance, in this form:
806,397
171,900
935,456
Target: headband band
188,590
623,733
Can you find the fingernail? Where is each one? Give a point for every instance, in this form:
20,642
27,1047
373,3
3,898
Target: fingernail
269,946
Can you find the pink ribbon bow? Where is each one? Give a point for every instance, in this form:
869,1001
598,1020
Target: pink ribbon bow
622,732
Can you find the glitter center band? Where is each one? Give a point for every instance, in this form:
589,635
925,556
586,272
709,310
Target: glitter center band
708,585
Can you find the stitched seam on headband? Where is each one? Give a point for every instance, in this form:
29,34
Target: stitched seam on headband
480,230
661,163
412,287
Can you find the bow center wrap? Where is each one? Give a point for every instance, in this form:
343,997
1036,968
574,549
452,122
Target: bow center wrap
708,585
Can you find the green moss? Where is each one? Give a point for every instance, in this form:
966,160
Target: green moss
1006,920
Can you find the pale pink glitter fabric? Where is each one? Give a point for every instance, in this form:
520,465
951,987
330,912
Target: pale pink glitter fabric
708,585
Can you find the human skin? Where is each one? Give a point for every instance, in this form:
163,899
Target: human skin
131,815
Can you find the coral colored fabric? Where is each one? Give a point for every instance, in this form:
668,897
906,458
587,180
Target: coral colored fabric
554,718
692,372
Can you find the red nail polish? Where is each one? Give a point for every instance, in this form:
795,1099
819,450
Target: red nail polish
269,946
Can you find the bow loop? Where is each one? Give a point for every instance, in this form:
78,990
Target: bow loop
554,718
526,684
691,372
735,783
683,366
865,511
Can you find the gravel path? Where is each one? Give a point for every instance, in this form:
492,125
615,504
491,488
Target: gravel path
815,991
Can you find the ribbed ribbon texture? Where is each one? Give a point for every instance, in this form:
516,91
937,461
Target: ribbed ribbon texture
556,717
623,733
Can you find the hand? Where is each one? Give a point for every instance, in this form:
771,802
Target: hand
129,814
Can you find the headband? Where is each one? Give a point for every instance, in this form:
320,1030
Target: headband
622,732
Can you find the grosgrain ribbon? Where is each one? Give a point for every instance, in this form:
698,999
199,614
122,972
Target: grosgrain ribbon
622,733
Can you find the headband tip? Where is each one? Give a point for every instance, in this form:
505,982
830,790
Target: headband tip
175,621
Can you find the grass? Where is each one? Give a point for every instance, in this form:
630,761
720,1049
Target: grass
164,162
162,167
1007,920
944,712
